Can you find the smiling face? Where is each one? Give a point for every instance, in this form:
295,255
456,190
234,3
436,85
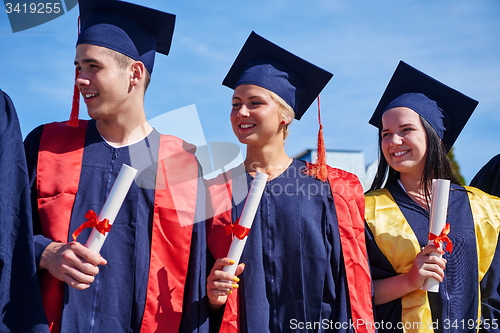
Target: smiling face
255,117
103,83
404,141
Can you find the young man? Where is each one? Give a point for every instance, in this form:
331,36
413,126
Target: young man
140,285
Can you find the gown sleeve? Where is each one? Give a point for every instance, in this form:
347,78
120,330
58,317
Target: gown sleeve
490,282
381,269
490,295
20,298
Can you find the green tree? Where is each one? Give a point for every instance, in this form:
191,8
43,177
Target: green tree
455,168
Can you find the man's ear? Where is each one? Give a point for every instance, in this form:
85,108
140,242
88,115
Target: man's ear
138,73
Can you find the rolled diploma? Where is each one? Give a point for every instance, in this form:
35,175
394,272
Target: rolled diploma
439,209
112,205
246,219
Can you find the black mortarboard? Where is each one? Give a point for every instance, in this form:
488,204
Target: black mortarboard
446,109
136,31
267,65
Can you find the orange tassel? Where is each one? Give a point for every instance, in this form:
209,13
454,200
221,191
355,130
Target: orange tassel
75,106
318,169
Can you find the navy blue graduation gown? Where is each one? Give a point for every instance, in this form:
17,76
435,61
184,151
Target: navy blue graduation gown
488,178
115,300
21,308
455,307
294,277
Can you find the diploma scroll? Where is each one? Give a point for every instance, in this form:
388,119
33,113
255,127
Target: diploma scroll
439,209
246,219
112,205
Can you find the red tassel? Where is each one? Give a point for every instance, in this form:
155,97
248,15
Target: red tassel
73,118
75,107
318,169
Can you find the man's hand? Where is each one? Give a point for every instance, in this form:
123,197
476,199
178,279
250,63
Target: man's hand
72,263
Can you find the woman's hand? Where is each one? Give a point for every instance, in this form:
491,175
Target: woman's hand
220,284
424,266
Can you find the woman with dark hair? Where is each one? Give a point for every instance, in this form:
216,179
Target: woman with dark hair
305,258
436,165
419,119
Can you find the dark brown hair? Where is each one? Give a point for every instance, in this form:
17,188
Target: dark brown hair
437,165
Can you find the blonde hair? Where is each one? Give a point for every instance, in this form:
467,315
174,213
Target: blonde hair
286,111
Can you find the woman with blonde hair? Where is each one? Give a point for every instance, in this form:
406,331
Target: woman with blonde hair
305,257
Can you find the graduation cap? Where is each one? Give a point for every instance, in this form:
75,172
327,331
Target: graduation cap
262,63
295,80
133,30
445,109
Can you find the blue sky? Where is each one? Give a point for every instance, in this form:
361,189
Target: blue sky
360,41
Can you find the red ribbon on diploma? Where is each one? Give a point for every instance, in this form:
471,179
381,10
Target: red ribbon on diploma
443,237
92,222
239,231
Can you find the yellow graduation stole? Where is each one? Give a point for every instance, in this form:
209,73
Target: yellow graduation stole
398,243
